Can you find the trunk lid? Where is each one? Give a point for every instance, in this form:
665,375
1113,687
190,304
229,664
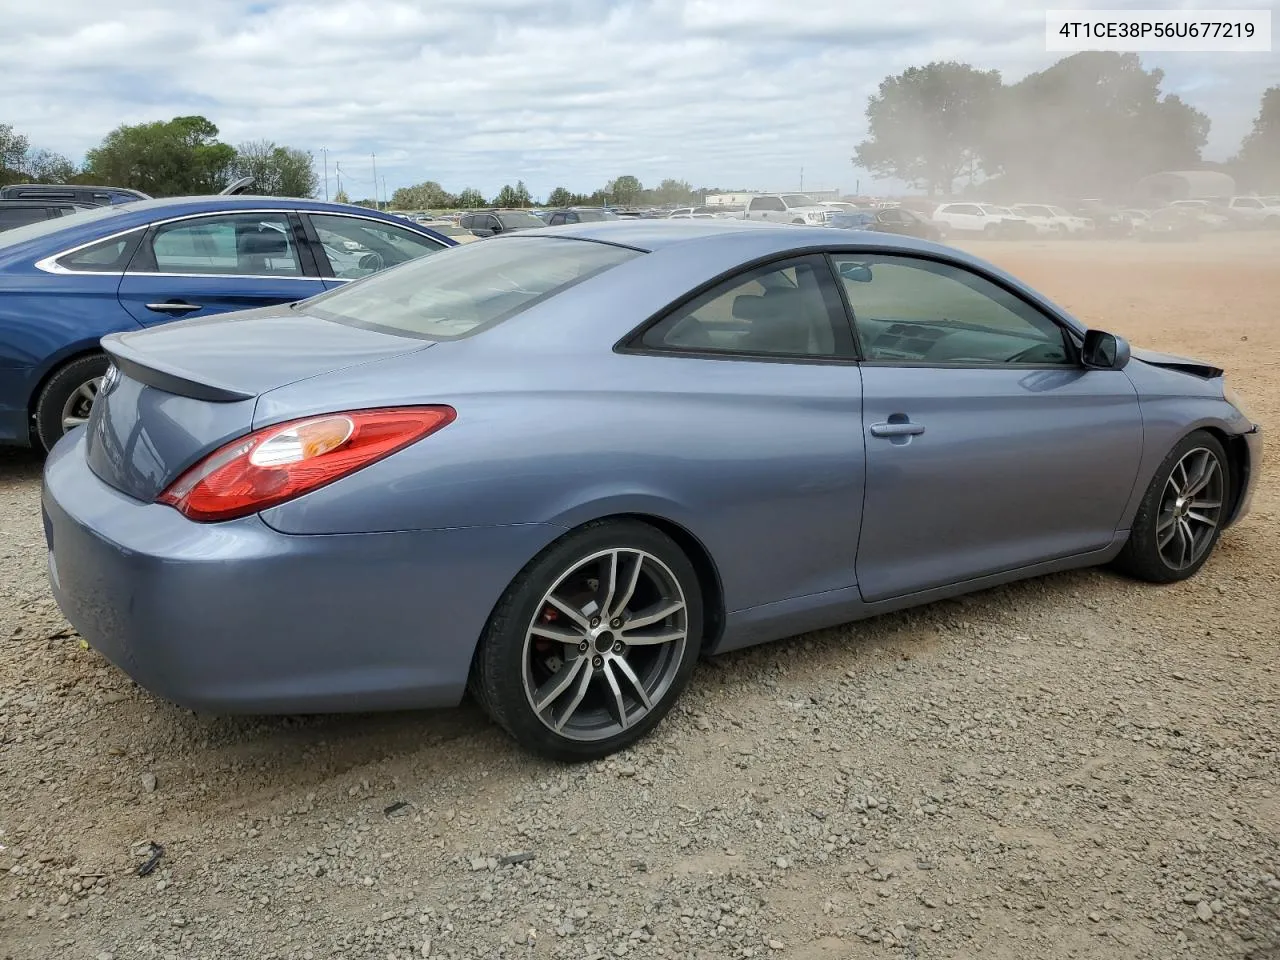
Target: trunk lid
178,391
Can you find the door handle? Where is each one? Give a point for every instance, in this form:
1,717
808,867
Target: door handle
903,429
173,306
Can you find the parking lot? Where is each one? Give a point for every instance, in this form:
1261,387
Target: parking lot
1074,766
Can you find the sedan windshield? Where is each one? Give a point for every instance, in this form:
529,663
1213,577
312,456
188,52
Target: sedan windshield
458,291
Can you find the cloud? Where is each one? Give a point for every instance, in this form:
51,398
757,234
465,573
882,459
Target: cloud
734,93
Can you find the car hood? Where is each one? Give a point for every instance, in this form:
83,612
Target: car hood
1169,361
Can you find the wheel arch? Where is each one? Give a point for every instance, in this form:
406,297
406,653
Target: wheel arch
64,357
1237,449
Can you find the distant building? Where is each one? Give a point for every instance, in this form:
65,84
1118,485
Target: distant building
1185,185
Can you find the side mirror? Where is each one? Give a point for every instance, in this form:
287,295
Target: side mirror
855,272
1104,351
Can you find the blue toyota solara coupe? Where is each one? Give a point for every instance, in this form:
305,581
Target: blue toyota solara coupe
66,283
559,464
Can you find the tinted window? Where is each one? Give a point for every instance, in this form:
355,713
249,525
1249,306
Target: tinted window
44,227
465,288
105,256
518,220
19,216
592,216
556,219
924,312
779,310
357,248
467,220
245,244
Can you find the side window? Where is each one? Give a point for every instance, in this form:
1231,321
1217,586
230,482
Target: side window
918,311
243,244
790,309
357,247
105,256
21,216
556,220
572,217
467,220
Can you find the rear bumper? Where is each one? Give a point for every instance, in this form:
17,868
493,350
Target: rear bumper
239,618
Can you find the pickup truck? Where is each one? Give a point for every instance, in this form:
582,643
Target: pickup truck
787,208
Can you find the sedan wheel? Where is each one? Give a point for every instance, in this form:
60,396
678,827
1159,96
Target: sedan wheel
1180,518
609,625
67,398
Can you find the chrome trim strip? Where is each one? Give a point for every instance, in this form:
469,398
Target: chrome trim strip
50,263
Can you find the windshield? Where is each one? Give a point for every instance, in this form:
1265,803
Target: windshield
459,290
993,210
798,200
34,231
517,219
590,216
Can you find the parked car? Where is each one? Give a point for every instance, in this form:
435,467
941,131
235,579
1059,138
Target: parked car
1254,212
982,219
795,208
898,220
72,193
1050,220
557,467
19,213
490,223
1107,220
1170,223
569,215
1209,215
66,283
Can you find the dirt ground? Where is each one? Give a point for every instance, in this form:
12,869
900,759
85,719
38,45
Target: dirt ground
1077,766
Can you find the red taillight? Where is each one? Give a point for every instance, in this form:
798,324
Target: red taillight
280,462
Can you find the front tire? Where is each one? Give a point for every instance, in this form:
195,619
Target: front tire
67,398
1180,518
592,643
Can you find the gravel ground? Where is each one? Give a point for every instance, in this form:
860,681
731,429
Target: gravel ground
1076,766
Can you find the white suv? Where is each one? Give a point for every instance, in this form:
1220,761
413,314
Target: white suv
1255,211
1051,220
788,208
984,219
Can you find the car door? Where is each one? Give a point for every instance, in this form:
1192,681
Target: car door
214,263
762,368
989,446
348,247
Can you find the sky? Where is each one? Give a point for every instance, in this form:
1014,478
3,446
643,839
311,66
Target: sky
756,94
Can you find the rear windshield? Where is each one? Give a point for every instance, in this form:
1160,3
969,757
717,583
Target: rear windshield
462,289
34,231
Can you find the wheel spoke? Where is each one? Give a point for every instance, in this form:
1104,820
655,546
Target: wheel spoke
573,613
1188,542
88,391
655,614
1201,518
652,639
620,705
560,681
70,422
1167,519
578,694
1205,504
608,584
641,692
1205,474
558,634
1167,537
628,590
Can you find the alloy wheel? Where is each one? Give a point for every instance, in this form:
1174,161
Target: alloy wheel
75,411
605,644
1190,508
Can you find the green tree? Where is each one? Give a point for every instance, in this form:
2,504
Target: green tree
929,124
341,196
1091,125
560,197
13,151
625,190
674,191
1258,162
164,158
428,195
276,171
470,199
43,166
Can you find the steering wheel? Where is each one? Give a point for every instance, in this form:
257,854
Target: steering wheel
372,261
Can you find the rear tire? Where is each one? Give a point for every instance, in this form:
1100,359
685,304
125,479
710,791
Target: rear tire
67,397
576,671
1180,518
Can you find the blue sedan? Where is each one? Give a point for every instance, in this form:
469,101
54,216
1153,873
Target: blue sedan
66,283
558,465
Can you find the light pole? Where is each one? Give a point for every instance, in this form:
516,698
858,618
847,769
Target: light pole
325,151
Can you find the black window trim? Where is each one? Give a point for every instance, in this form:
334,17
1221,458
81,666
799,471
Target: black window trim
847,355
315,248
1070,339
143,263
